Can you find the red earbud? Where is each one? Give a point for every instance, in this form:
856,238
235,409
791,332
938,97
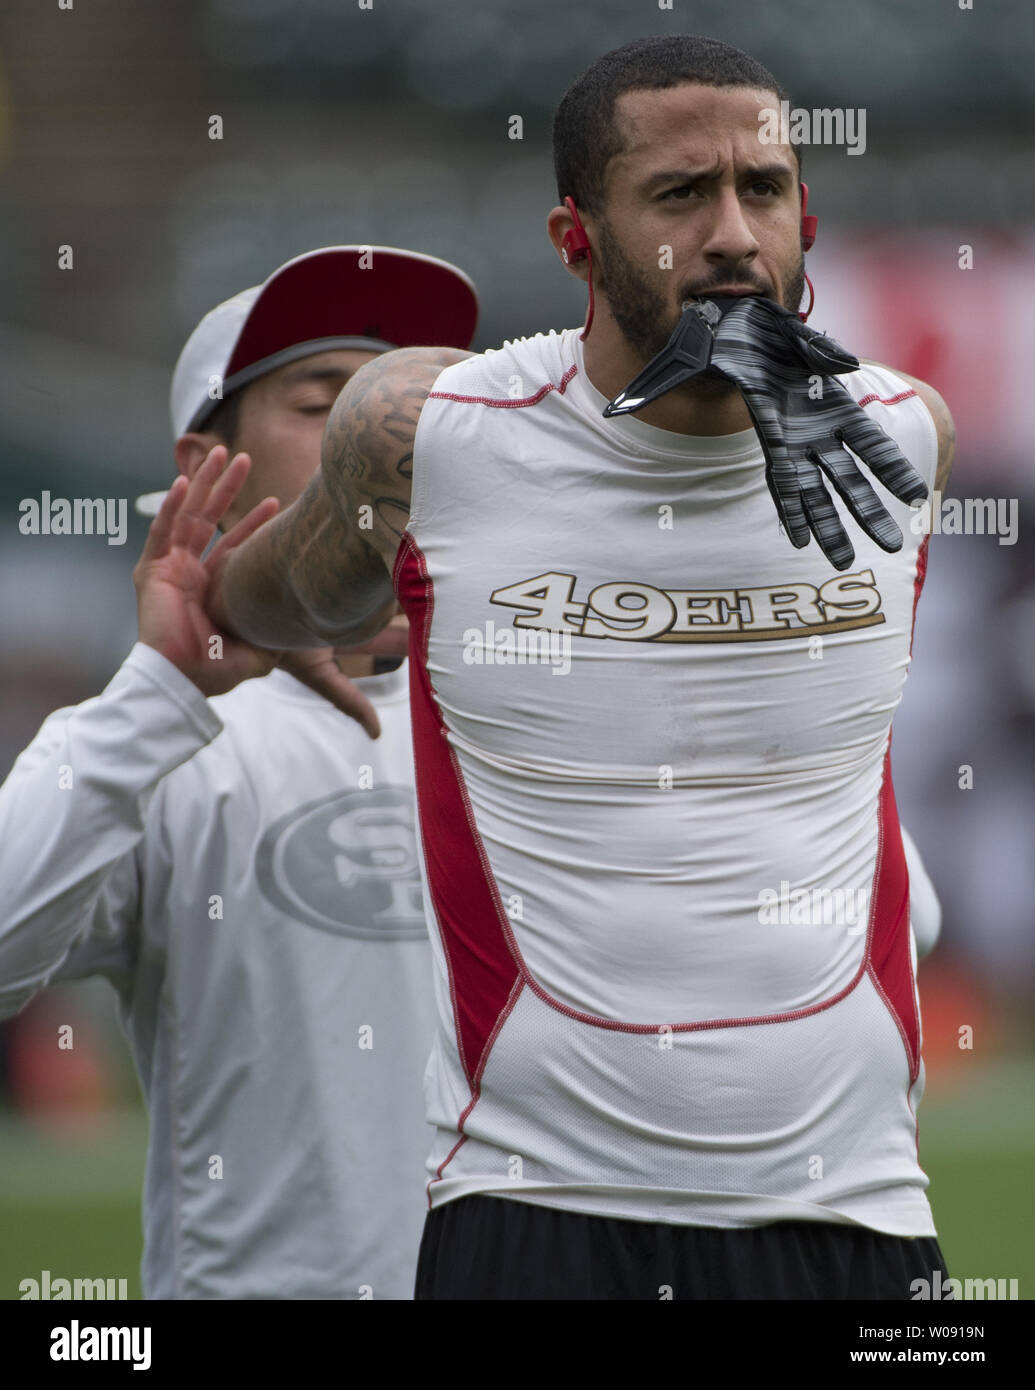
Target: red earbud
575,245
808,236
808,224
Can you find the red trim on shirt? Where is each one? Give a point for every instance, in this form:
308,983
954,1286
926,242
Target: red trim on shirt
890,400
889,964
918,584
708,1025
484,977
449,1156
560,387
476,1089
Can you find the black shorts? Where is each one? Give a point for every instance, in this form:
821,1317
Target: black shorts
494,1247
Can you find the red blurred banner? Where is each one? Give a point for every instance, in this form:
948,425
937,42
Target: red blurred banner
904,299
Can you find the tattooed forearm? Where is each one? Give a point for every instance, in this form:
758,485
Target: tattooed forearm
336,577
336,546
368,444
320,573
393,515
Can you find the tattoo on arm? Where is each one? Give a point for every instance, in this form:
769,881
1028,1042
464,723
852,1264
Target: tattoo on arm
340,538
368,445
324,567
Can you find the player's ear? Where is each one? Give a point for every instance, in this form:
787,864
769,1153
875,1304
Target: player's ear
191,451
559,223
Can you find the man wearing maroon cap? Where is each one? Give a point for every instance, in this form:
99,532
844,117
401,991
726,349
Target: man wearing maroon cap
240,862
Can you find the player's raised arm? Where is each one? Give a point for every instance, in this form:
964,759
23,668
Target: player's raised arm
320,573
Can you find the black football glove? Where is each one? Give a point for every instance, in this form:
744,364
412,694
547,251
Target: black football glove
686,354
805,419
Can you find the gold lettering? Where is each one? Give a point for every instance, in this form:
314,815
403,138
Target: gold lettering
770,607
850,595
704,608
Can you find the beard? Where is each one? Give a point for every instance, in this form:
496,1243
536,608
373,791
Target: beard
647,319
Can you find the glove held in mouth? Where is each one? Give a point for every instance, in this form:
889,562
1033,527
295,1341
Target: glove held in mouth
685,355
808,424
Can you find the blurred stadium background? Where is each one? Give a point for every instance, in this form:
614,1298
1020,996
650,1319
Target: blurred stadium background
390,125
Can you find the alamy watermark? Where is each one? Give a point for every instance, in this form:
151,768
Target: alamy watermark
815,907
81,1342
75,516
492,646
821,126
47,1287
946,1289
967,516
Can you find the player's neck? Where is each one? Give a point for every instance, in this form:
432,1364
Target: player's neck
611,363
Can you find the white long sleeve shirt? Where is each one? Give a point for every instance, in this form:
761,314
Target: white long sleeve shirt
243,870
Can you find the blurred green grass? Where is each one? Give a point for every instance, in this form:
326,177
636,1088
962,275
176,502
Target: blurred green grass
74,1207
977,1146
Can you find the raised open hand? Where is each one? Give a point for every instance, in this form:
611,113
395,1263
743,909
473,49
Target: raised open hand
171,578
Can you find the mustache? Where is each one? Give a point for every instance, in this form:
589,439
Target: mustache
717,286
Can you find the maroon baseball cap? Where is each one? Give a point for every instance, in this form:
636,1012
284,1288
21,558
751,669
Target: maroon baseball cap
369,297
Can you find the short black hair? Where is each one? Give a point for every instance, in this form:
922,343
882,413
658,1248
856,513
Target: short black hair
225,420
585,134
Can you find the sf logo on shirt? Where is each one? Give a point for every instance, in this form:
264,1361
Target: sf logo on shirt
628,611
347,863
